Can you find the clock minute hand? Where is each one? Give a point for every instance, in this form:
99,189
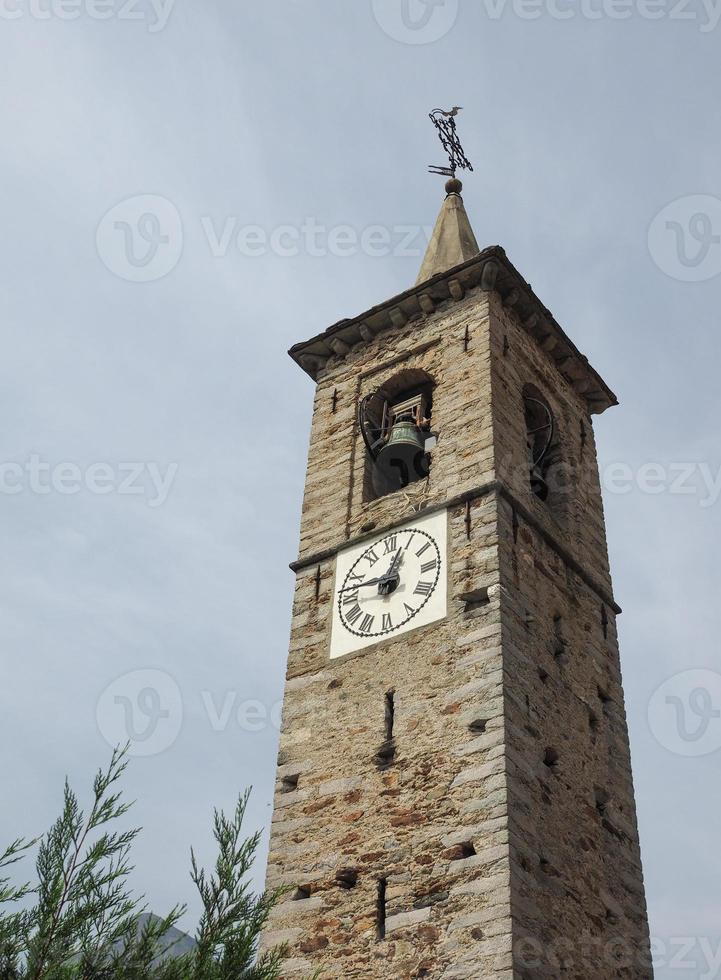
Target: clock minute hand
360,585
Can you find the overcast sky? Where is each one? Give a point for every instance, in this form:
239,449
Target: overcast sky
143,363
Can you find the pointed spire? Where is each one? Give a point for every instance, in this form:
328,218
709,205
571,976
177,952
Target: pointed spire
453,241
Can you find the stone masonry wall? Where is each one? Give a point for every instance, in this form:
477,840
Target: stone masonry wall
577,885
504,824
432,823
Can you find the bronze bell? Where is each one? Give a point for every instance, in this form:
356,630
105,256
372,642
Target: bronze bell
403,459
539,486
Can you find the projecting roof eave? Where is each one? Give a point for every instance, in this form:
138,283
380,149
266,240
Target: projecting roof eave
490,269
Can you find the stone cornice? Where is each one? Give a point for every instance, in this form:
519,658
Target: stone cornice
495,486
489,270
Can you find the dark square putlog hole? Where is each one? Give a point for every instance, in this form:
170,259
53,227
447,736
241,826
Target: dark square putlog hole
347,878
289,784
479,726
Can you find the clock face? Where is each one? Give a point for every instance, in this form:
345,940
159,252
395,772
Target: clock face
390,585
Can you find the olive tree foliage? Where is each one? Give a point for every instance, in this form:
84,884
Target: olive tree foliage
80,921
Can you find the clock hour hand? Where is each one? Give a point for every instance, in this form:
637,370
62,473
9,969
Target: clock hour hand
395,565
389,582
390,576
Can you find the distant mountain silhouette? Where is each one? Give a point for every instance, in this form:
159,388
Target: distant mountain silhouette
175,942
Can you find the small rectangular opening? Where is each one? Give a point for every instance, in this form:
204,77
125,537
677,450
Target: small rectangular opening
302,894
606,701
347,878
475,599
602,800
381,914
462,851
289,784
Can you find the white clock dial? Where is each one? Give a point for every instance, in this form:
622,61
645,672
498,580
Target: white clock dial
389,585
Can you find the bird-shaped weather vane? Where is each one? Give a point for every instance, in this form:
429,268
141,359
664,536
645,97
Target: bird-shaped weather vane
445,122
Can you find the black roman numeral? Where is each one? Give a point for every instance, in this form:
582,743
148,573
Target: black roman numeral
429,566
409,609
391,544
387,621
353,577
425,548
367,625
371,556
350,598
423,588
353,614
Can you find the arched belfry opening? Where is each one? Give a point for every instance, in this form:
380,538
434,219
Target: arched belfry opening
547,476
395,423
540,437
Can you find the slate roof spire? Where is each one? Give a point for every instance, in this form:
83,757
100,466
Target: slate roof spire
453,241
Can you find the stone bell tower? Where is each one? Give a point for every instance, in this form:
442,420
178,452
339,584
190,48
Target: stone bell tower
454,795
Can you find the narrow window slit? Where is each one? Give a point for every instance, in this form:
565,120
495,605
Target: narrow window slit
386,753
381,909
559,642
550,758
390,717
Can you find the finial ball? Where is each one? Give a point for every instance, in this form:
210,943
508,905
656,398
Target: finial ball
454,186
